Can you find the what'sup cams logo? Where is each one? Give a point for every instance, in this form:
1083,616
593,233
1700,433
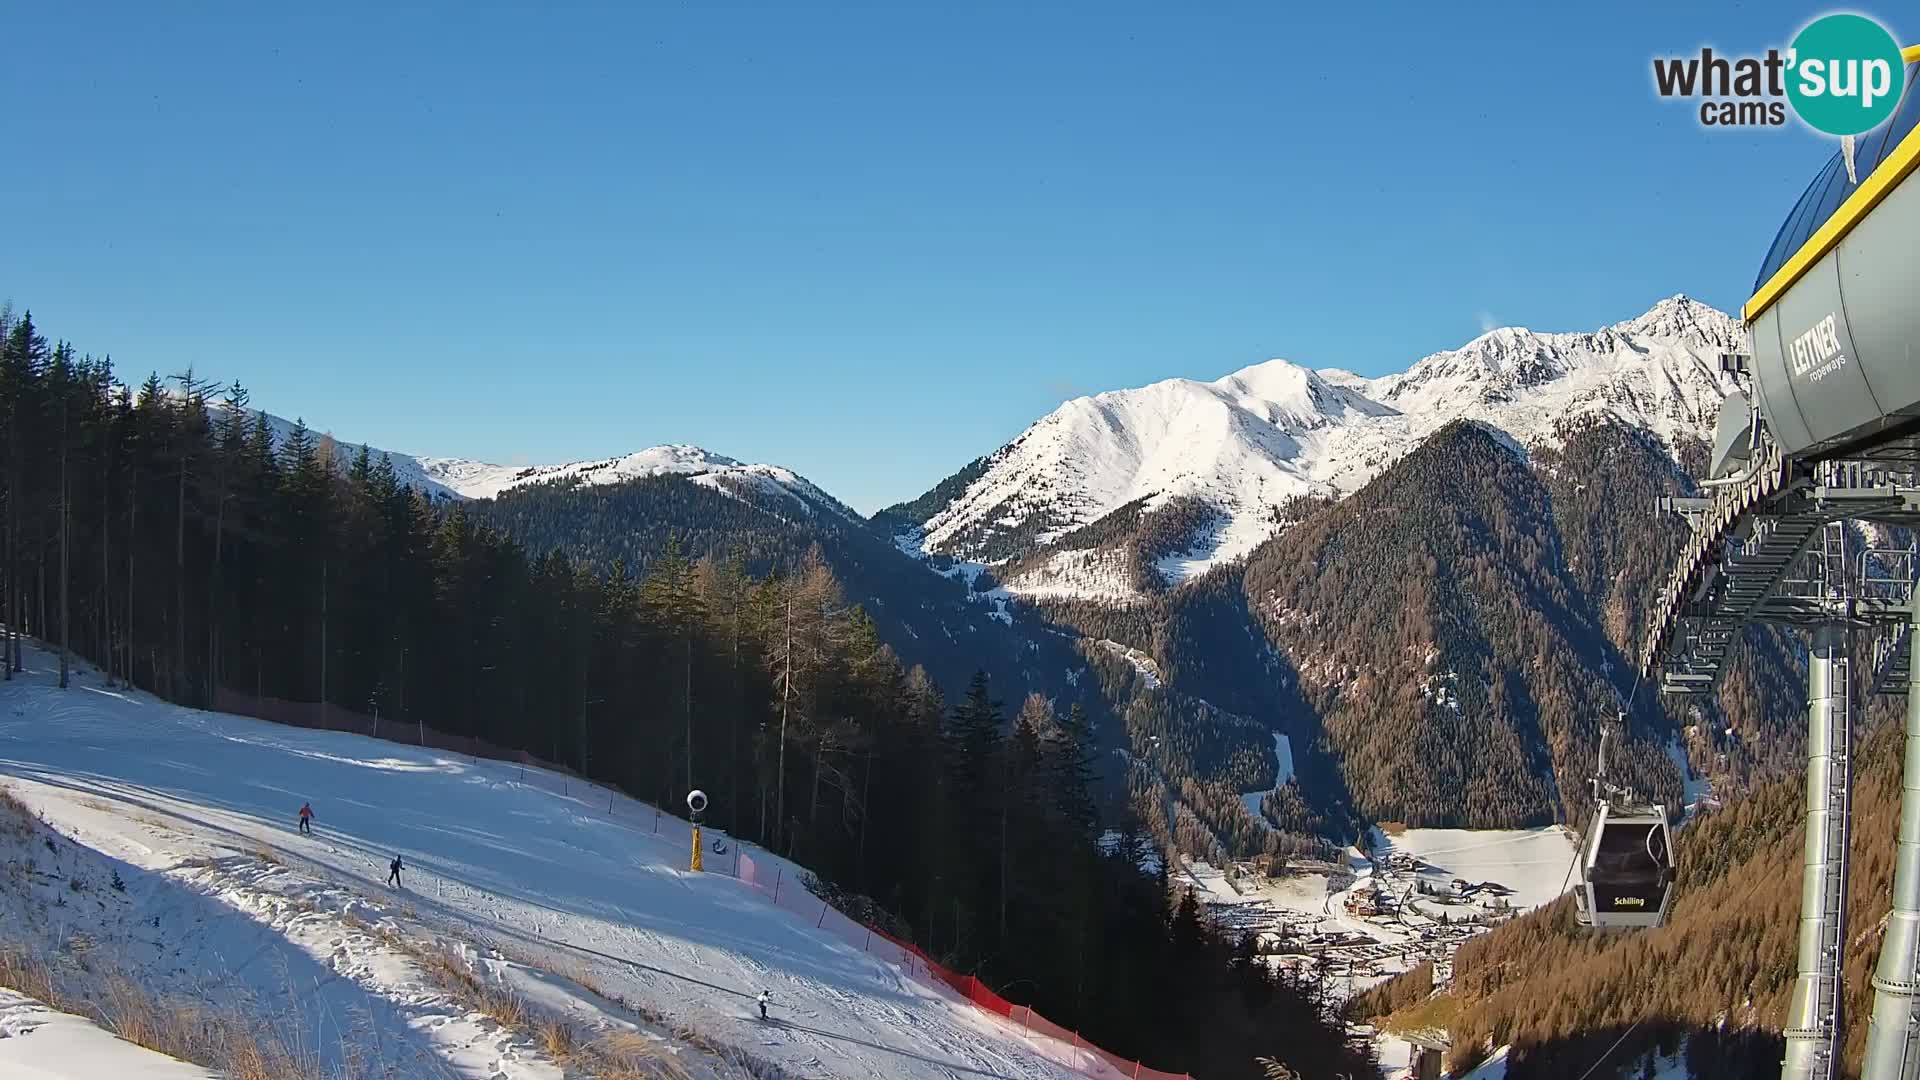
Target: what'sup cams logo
1842,76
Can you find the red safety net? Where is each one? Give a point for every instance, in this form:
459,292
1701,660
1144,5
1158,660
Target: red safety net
1049,1039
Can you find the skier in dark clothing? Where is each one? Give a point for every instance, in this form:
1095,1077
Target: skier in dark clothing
393,872
306,817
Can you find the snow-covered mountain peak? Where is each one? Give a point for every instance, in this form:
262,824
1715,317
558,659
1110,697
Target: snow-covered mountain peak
1245,443
1341,377
1680,317
1295,398
773,485
1660,368
480,480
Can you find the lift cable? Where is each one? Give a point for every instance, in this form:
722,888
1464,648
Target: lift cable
1626,706
1616,1045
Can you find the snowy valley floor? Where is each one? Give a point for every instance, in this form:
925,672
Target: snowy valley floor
166,854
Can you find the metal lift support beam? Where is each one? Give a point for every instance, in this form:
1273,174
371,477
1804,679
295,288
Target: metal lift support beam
1893,1035
1814,1017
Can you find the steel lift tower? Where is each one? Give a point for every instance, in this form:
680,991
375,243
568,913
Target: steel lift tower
1812,503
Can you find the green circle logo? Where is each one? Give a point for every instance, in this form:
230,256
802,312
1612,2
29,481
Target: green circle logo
1846,74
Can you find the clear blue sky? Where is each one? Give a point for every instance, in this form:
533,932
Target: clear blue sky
868,241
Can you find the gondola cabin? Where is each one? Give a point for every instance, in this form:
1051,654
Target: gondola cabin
1626,869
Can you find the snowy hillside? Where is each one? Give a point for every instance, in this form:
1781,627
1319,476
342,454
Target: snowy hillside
477,480
462,478
172,830
1247,442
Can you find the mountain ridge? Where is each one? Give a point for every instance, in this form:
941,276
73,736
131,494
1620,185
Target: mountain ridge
467,479
1249,441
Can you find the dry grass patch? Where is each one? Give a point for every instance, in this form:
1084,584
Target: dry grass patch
266,856
237,1044
238,1047
504,1006
558,1039
617,1055
15,819
27,974
584,979
450,970
629,1055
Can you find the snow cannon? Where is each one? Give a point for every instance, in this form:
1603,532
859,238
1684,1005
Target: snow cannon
696,805
1836,367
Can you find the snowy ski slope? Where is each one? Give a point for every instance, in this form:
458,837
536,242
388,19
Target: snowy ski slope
554,882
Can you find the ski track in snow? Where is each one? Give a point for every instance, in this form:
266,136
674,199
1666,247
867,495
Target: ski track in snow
1283,762
527,875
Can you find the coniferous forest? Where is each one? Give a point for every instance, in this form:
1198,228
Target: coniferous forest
163,533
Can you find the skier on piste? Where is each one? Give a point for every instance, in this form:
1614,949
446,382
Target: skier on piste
763,999
306,818
393,872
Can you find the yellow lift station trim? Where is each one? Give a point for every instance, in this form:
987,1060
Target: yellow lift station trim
1893,169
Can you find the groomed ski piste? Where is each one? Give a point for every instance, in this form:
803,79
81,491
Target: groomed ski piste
170,833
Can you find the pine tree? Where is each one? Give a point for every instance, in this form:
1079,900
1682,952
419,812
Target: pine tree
60,386
675,606
21,360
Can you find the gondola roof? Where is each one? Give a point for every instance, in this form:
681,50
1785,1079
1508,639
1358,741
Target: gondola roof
1832,204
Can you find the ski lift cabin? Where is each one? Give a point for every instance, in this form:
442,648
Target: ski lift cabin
1626,869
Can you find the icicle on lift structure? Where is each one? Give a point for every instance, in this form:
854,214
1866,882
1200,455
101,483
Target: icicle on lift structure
1812,500
1626,860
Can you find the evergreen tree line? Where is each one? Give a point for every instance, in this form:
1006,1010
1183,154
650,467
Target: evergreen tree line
171,538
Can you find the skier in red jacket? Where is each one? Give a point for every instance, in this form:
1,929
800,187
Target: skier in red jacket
306,816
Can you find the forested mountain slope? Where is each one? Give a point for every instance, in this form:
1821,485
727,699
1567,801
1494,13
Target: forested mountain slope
941,622
1184,759
1432,624
1440,646
1718,976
